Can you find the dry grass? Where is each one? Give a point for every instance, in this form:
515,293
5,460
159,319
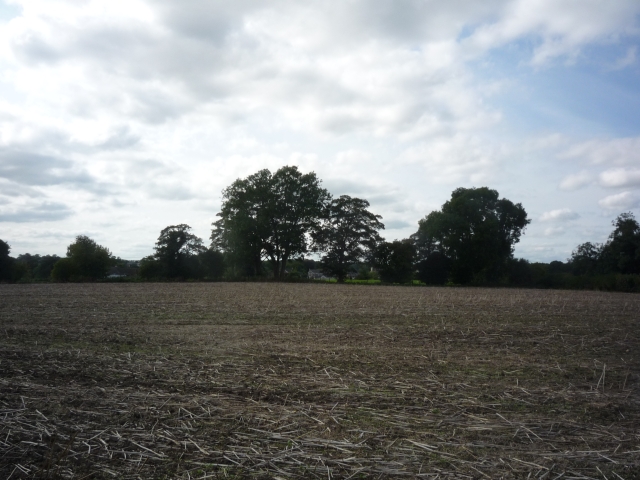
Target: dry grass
317,381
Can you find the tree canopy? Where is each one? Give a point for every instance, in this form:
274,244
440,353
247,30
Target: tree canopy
476,231
619,254
175,250
6,262
269,216
86,260
348,233
394,261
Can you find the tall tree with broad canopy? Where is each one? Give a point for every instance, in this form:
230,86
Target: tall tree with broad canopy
177,249
348,234
6,262
476,230
269,216
621,252
85,260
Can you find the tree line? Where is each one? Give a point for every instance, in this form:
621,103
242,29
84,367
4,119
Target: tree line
271,224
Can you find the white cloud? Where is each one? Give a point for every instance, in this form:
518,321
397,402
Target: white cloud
620,177
616,151
563,27
560,215
122,107
576,181
620,201
461,158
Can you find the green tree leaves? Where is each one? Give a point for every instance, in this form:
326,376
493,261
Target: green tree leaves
175,250
620,254
476,231
86,260
348,233
394,261
269,216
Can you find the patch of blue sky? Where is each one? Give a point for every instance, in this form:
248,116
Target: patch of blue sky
597,93
9,10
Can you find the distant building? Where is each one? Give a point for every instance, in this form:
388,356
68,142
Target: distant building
123,271
317,274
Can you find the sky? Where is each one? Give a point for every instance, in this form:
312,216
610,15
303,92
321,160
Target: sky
119,118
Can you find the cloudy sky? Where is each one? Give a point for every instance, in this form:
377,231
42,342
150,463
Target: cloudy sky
118,118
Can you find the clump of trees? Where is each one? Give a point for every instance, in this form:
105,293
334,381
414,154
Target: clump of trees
181,255
85,261
6,262
471,239
395,261
612,265
284,215
347,235
619,254
270,221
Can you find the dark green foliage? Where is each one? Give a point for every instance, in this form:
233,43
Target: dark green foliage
621,253
212,264
30,267
177,251
64,270
476,230
366,272
556,267
151,269
86,261
520,272
434,268
394,261
268,216
347,235
585,259
6,262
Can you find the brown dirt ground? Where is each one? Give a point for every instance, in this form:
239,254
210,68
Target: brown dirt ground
317,381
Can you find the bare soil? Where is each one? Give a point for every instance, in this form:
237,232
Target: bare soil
283,381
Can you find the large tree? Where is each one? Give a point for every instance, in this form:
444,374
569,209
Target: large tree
269,216
348,234
476,231
621,253
86,260
6,262
177,250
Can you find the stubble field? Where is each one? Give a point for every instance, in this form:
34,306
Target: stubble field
317,381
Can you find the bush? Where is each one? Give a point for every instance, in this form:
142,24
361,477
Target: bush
151,269
64,270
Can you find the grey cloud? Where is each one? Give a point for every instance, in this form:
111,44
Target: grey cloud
102,41
155,106
170,192
345,187
45,212
384,198
35,169
32,48
13,190
122,138
206,20
396,224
